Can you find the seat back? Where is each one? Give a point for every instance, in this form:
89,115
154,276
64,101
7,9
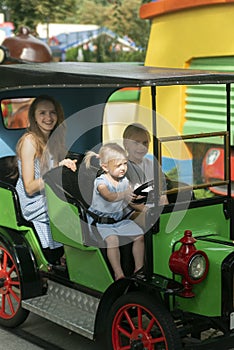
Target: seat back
79,184
72,186
9,170
65,188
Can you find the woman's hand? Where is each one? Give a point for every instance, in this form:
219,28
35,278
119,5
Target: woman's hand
69,163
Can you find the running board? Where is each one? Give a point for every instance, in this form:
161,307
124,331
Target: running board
66,307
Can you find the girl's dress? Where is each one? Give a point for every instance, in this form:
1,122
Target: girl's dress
34,208
125,228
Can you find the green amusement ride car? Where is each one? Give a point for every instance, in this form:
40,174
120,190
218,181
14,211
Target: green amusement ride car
187,287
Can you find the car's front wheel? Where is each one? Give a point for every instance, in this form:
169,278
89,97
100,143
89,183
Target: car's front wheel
139,321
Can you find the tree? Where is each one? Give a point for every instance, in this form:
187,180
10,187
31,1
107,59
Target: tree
121,16
124,19
32,12
91,12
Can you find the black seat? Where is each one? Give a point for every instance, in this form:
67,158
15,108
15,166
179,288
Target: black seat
9,170
75,188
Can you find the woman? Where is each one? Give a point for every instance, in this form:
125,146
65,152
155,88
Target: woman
35,157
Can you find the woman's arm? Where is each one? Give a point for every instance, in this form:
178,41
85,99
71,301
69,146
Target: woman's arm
27,156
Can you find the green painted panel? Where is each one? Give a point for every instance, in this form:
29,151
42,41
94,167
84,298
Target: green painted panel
64,220
208,297
86,264
206,104
126,95
36,247
7,209
8,220
207,220
88,268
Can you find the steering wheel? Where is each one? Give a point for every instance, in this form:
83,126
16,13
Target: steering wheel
139,191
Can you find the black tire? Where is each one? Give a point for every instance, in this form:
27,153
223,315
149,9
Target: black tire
141,322
11,312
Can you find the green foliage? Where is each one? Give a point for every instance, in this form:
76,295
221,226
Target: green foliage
133,56
173,174
203,193
32,12
120,16
71,54
103,54
198,193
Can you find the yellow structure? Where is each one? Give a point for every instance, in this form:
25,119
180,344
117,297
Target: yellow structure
182,30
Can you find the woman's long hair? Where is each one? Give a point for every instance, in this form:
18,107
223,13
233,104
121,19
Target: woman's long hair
55,146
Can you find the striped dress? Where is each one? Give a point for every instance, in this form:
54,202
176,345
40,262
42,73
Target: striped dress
34,208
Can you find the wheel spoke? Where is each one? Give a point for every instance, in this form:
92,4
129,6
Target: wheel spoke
158,340
3,304
11,270
10,304
4,265
14,283
150,325
123,331
15,296
139,317
129,320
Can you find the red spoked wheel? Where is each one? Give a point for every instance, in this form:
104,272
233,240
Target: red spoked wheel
11,313
138,322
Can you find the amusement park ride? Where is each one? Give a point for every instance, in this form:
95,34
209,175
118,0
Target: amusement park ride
187,287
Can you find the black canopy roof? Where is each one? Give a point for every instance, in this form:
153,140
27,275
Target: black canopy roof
103,74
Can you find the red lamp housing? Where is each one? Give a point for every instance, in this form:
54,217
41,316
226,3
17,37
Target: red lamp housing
190,263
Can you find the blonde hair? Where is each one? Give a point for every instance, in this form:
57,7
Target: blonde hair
135,129
107,153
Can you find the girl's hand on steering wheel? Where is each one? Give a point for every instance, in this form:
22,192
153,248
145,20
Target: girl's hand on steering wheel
129,196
